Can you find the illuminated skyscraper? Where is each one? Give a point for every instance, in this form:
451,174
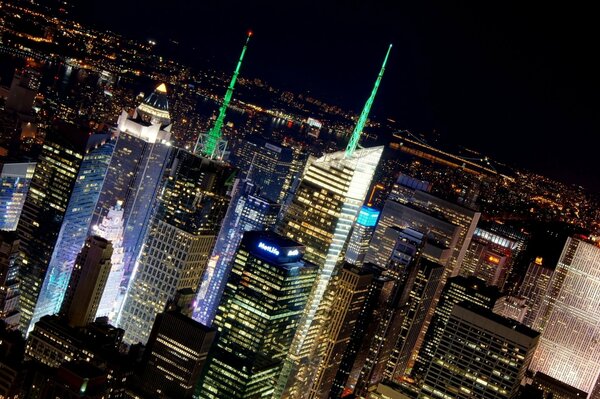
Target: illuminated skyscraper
74,229
534,288
87,282
175,355
266,165
111,229
361,235
457,289
246,212
258,316
569,318
480,354
320,216
350,291
9,284
181,237
14,184
44,210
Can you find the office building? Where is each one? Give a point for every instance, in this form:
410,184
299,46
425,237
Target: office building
74,229
9,285
175,355
264,300
457,289
75,380
490,257
534,288
111,229
511,307
349,293
181,237
480,354
363,229
569,318
44,209
14,184
136,169
320,216
266,165
87,282
246,212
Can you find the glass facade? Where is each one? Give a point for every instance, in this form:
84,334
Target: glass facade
14,184
181,237
74,229
258,316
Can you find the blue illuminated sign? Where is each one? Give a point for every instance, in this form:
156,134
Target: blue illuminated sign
367,216
268,248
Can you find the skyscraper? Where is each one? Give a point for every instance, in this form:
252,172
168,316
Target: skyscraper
175,355
74,229
136,169
480,354
266,165
44,210
361,235
111,229
9,285
181,237
246,212
265,297
350,291
534,288
457,289
87,282
569,319
14,184
320,216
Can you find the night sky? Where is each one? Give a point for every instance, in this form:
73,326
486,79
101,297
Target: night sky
516,81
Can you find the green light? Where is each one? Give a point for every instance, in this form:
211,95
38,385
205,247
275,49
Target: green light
364,115
214,134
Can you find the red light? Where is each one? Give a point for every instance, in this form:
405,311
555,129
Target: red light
249,33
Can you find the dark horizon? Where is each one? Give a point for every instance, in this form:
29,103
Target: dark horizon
513,81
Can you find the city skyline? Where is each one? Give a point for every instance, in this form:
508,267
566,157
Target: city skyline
202,229
508,81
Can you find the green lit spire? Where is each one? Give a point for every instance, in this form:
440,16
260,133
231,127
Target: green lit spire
364,115
214,134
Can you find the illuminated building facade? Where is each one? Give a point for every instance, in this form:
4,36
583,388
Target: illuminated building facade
264,300
44,209
490,256
87,282
266,165
183,231
480,354
534,288
175,355
74,229
569,319
361,235
320,217
14,184
111,229
9,284
511,307
457,289
349,291
247,212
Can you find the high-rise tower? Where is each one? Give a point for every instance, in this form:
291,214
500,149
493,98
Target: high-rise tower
180,239
569,318
320,216
211,144
263,302
44,209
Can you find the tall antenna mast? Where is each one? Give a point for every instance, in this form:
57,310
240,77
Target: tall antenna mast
213,137
364,115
